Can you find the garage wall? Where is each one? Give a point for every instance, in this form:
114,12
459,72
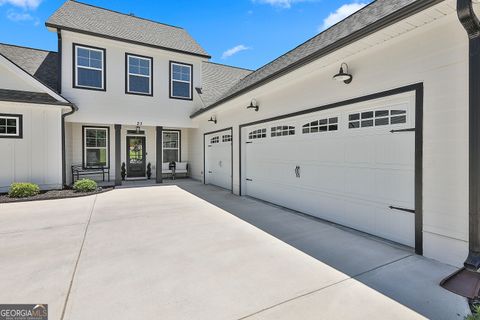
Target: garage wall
37,157
435,54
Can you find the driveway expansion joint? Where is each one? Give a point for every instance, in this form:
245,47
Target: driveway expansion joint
325,287
78,259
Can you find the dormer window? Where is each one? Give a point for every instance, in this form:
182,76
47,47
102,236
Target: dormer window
139,74
181,80
89,67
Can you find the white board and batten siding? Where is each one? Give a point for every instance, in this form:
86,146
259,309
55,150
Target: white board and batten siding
218,159
343,165
37,156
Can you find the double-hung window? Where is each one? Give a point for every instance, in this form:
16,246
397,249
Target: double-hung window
180,81
89,67
10,125
139,74
95,147
171,146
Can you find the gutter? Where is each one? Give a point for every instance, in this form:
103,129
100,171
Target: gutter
470,22
395,17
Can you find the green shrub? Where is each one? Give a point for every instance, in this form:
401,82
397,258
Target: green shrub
85,185
23,190
475,315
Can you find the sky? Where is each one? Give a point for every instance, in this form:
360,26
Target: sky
243,33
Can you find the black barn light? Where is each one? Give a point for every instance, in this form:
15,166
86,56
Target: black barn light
213,119
253,105
343,74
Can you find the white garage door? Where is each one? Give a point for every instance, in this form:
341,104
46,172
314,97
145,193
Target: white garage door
343,164
218,159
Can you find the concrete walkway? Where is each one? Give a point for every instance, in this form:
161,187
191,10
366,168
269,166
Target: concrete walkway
163,252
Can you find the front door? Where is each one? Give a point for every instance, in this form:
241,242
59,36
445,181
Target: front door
136,157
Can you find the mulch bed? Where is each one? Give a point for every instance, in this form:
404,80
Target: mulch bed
52,195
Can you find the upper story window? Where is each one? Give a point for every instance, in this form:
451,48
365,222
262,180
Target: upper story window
139,74
181,81
89,67
10,125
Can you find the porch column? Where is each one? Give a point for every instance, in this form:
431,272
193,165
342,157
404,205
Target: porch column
159,155
118,157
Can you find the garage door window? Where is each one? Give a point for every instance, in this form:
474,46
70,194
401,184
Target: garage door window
376,118
283,131
215,139
258,134
323,125
10,126
226,138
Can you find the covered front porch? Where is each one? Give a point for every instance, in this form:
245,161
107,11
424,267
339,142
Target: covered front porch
114,154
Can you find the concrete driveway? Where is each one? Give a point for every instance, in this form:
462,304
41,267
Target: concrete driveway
189,251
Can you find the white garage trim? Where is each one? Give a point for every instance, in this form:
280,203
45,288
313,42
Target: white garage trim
231,153
417,90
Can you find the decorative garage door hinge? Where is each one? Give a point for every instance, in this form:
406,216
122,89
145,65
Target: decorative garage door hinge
402,209
403,130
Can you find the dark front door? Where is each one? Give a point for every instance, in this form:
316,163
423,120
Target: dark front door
136,157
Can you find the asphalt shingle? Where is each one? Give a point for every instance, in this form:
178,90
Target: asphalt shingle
218,79
38,63
76,16
28,97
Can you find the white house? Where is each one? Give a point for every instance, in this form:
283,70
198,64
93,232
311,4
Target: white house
387,145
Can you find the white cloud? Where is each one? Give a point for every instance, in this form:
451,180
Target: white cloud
286,4
232,51
25,4
16,16
340,14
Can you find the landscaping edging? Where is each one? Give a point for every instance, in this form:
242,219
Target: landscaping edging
53,195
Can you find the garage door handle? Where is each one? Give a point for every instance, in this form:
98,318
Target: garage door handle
209,171
402,130
297,171
402,209
249,179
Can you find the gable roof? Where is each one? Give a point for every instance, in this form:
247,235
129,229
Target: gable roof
40,64
217,79
375,16
84,18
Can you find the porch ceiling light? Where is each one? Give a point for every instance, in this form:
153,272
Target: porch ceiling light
213,119
343,74
253,105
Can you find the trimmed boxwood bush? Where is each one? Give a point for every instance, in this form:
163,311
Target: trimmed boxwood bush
23,190
85,185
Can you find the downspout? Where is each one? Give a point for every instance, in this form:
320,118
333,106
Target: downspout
59,61
73,108
470,22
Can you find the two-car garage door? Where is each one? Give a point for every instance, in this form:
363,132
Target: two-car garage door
353,165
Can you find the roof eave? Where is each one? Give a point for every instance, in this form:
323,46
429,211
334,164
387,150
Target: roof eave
396,16
59,27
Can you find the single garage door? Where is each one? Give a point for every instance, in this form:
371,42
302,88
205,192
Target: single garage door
218,159
349,165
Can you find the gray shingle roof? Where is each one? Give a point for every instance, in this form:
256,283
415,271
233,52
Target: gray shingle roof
369,19
218,79
80,17
28,97
38,63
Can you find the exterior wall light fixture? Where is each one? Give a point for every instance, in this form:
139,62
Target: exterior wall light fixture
343,74
254,105
213,119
